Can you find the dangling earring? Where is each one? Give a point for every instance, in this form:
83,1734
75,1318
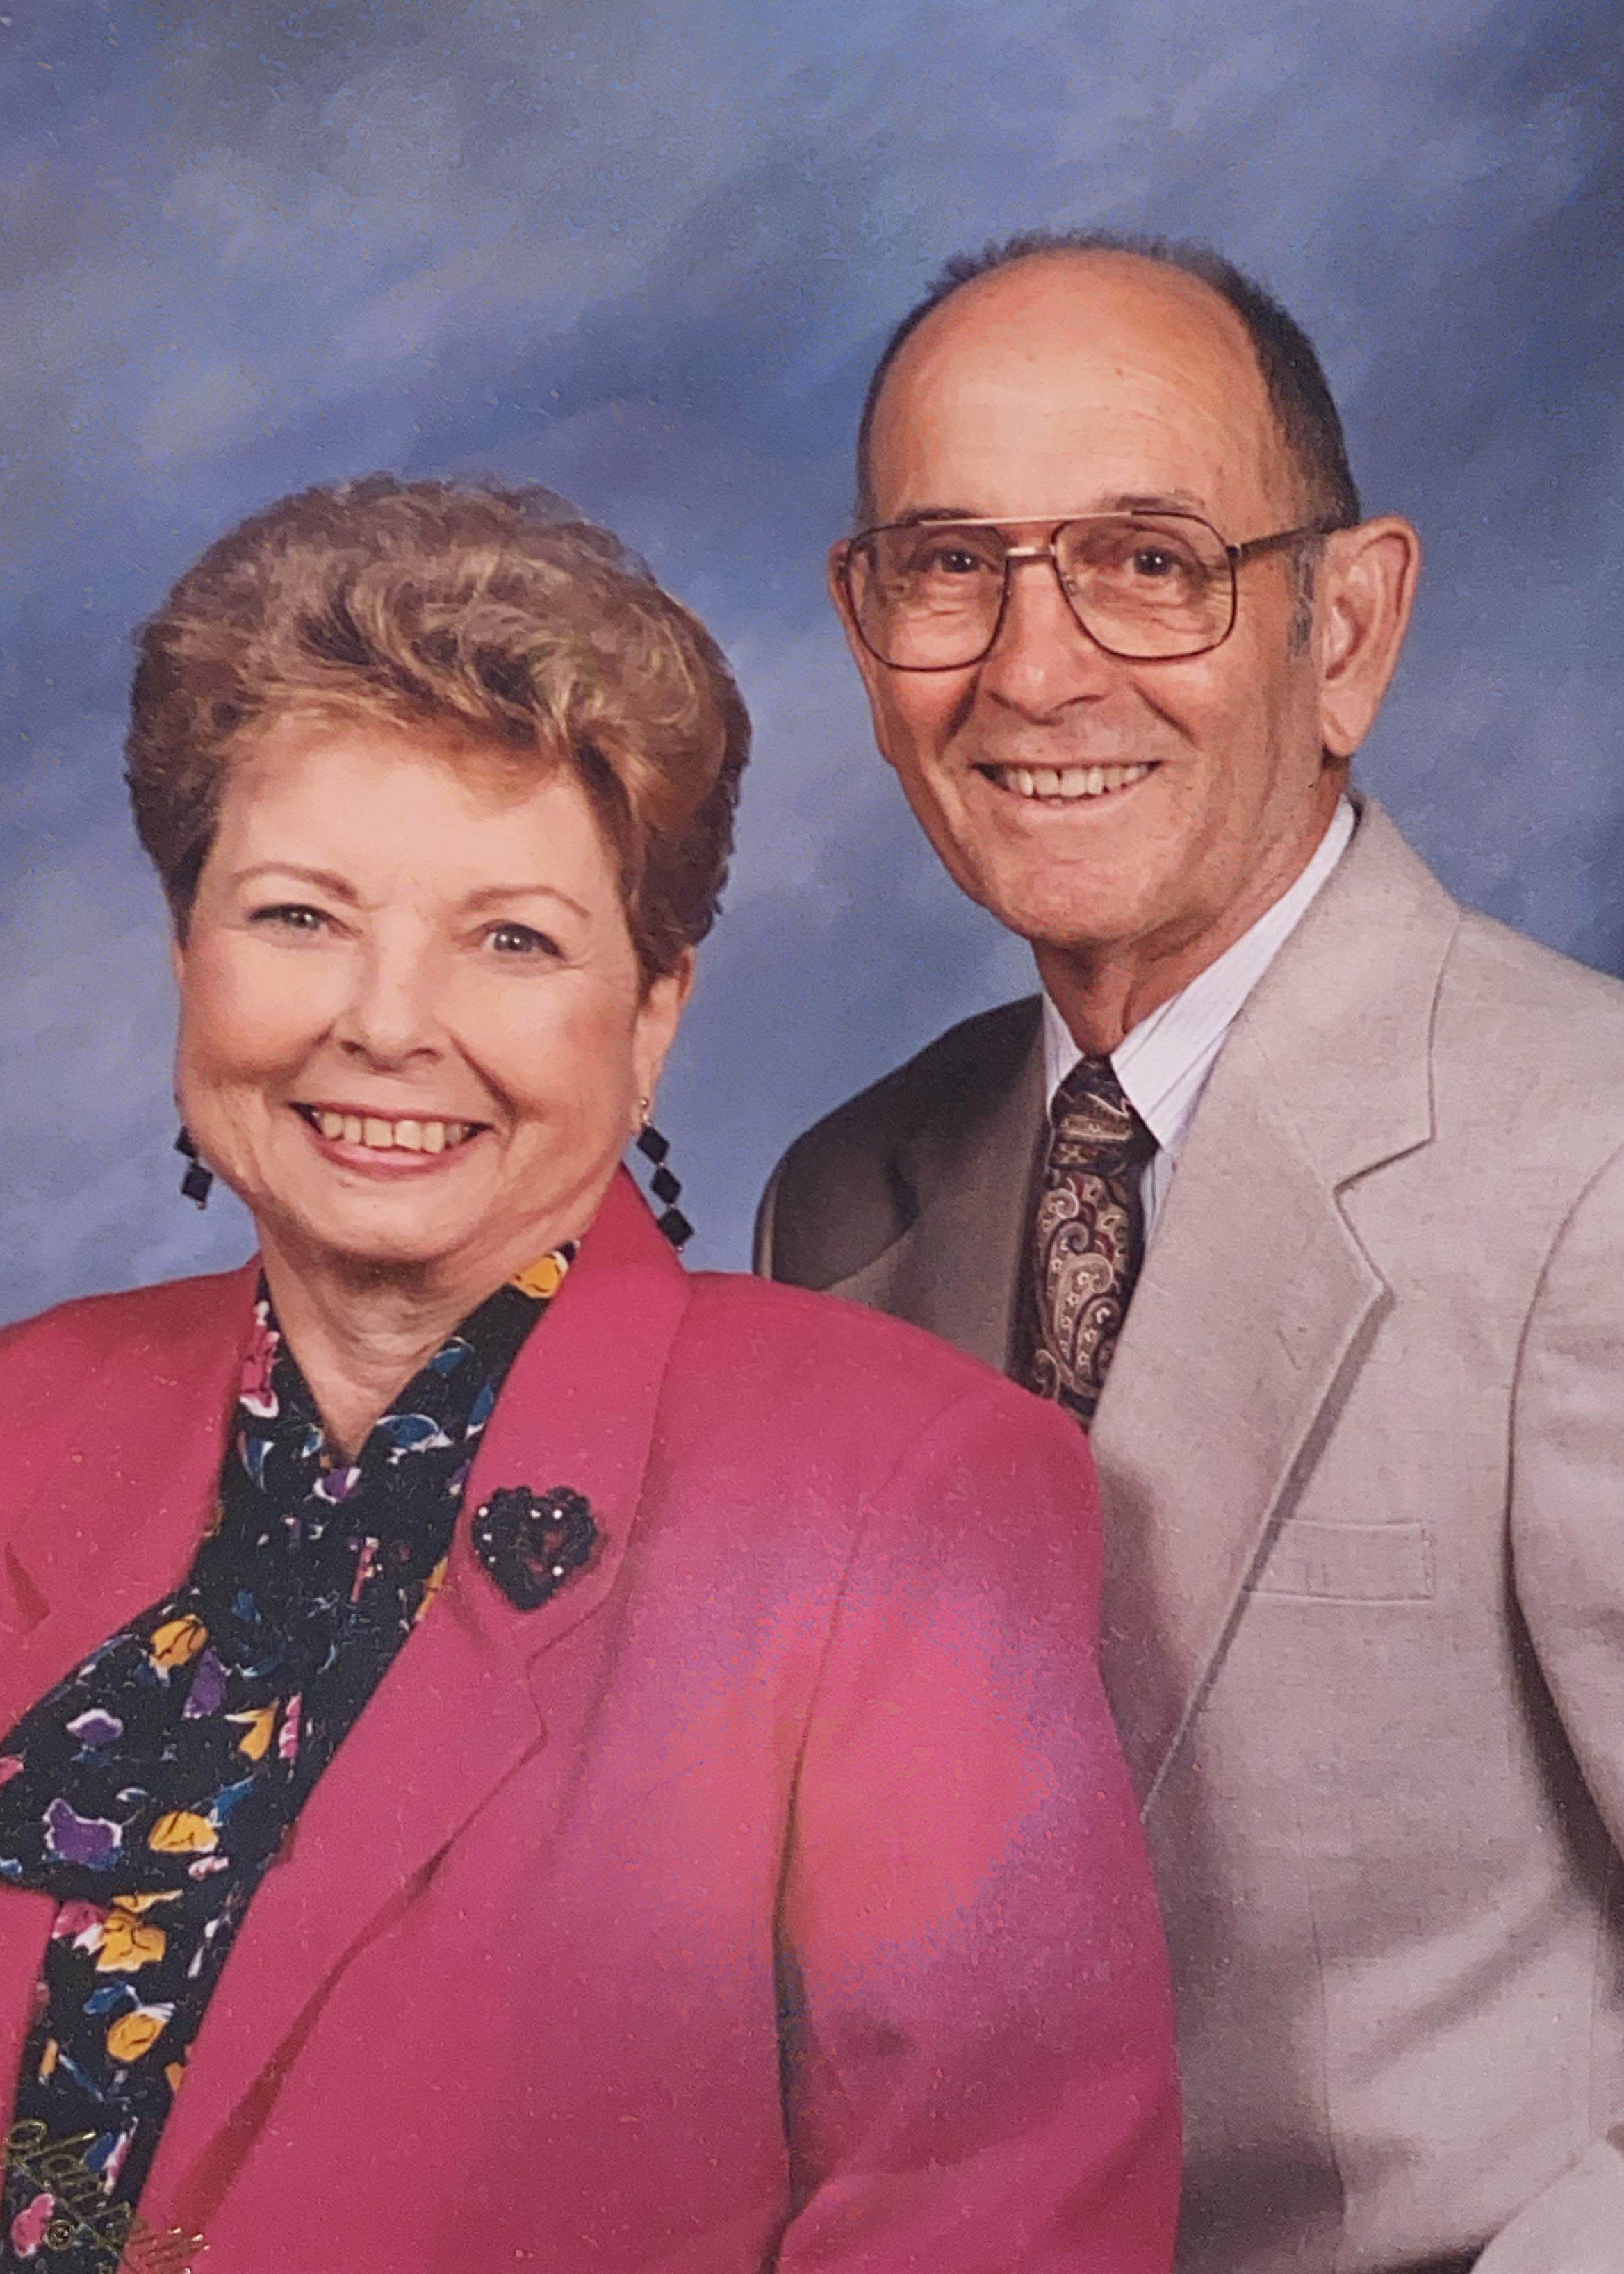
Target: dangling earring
664,1185
197,1179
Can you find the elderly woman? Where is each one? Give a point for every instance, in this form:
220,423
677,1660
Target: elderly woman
511,1755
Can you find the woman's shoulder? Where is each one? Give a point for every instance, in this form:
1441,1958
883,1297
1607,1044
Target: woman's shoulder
159,1323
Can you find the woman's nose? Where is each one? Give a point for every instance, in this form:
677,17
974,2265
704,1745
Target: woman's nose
391,1015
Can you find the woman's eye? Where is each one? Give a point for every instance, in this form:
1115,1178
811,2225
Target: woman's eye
289,916
517,939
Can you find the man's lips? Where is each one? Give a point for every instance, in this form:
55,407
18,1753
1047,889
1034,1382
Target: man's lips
389,1136
1070,785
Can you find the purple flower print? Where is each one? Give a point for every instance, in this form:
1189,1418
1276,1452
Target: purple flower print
92,1841
208,1689
96,1727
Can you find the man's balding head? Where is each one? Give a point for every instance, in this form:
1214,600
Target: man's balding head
1305,412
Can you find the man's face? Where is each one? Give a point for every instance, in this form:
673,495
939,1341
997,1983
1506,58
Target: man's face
1074,384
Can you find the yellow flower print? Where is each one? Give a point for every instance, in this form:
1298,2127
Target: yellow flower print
258,1727
134,2033
432,1586
49,2057
542,1279
181,1833
173,2073
177,1643
127,1941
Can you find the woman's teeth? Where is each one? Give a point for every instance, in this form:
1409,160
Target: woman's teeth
379,1136
1068,781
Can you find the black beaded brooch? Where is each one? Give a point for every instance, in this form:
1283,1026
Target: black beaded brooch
531,1543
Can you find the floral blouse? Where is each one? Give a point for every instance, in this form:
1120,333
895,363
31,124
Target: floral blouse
151,1788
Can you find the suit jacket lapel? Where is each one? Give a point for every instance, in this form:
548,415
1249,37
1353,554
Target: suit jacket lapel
964,1179
1256,1294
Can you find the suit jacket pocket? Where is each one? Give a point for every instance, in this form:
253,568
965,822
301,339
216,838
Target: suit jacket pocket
1349,1563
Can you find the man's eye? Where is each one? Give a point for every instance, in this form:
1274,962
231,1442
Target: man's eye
1153,561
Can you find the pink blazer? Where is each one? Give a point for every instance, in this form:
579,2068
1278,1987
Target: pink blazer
826,1707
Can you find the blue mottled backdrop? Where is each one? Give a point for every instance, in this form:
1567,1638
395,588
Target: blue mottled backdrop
645,253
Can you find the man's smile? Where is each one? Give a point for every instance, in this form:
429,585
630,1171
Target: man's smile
1065,785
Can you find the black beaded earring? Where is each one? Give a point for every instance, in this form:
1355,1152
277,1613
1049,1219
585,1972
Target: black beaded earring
196,1184
664,1185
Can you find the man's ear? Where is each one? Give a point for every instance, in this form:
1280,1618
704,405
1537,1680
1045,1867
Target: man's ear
1366,587
869,670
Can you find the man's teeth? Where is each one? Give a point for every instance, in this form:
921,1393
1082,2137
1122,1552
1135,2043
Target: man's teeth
1068,781
380,1136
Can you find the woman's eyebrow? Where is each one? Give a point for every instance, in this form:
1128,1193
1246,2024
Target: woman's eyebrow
489,893
326,879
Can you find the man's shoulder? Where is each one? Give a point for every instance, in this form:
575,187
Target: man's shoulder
1536,991
1535,1033
833,1199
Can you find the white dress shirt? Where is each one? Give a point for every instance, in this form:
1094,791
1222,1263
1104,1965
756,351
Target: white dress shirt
1162,1063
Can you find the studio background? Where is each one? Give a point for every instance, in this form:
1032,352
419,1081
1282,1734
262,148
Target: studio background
646,254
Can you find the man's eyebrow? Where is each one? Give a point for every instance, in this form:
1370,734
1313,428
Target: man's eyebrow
1153,501
918,514
1123,502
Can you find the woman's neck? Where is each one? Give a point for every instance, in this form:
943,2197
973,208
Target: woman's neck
359,1336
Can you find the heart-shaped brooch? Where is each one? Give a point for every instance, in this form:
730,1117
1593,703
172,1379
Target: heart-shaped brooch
531,1543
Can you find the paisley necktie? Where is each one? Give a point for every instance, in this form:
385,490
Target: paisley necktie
1088,1237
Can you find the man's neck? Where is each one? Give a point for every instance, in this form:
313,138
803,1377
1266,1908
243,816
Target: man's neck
1104,990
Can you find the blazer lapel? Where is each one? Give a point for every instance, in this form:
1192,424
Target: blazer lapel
115,1470
460,1711
1256,1295
965,1177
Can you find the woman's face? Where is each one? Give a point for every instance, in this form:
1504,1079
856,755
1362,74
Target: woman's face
413,1033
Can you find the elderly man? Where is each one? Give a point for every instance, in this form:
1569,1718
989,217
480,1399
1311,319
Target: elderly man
1328,1172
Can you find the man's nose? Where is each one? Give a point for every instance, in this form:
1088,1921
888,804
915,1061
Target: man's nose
392,1014
1042,659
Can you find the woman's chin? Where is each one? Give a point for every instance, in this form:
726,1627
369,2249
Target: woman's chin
382,1235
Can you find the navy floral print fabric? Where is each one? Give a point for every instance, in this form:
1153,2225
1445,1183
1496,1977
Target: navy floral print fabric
151,1788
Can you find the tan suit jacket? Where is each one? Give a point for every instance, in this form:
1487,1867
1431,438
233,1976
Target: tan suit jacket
1362,1455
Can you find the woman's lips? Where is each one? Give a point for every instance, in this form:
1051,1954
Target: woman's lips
394,1140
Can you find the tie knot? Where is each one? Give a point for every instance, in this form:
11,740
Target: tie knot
1094,1122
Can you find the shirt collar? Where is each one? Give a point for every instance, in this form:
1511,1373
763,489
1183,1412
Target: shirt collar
1162,1063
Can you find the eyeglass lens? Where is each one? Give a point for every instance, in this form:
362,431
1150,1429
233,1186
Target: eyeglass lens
927,596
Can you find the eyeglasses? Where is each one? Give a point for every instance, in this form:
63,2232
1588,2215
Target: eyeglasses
931,595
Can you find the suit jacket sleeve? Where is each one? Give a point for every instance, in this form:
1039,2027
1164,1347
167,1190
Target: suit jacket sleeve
1568,1548
979,2068
762,1243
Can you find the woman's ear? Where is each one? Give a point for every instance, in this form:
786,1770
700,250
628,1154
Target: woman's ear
1366,587
658,1016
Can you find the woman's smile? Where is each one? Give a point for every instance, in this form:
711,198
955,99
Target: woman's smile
363,1138
416,1036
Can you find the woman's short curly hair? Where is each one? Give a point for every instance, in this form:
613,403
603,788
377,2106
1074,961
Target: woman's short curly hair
485,618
